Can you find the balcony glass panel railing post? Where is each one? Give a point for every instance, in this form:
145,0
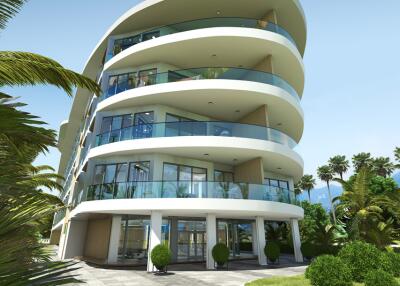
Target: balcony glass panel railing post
196,128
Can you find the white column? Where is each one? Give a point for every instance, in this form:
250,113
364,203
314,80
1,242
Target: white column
155,236
260,229
254,238
294,225
211,239
173,240
114,239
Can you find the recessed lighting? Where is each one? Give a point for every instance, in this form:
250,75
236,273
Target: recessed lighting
218,12
237,111
279,124
279,168
213,55
210,102
206,154
147,113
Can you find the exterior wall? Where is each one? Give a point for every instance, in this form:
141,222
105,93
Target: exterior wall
97,238
55,237
74,244
258,117
250,172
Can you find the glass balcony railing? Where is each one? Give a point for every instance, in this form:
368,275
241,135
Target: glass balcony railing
189,189
118,45
195,128
127,81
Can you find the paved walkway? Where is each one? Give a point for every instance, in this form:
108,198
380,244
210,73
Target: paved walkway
183,274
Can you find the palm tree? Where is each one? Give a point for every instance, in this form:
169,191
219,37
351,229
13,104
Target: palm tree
339,164
23,205
325,173
363,210
297,188
382,166
397,156
307,183
362,160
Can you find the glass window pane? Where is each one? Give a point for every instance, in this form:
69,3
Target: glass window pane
228,177
147,77
110,173
284,184
112,84
170,172
185,173
106,124
171,118
116,123
218,176
122,83
139,171
274,183
122,173
127,120
99,174
132,80
144,117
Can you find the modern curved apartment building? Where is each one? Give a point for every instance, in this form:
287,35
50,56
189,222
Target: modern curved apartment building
191,142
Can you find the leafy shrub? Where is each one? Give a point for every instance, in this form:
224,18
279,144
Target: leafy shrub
391,263
220,253
308,250
272,250
361,258
380,277
328,270
161,256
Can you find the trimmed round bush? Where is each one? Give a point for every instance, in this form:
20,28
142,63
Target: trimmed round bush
272,250
220,253
361,258
380,277
328,270
391,263
308,250
161,256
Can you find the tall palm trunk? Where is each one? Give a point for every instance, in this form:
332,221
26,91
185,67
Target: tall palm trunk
309,196
330,200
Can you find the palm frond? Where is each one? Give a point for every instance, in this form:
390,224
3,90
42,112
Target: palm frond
22,68
8,8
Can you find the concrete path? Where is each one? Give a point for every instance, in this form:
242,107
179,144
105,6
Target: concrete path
183,275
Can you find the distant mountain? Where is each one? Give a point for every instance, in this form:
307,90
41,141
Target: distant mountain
320,195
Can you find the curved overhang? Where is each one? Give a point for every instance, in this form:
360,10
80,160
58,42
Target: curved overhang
191,207
217,47
225,150
228,96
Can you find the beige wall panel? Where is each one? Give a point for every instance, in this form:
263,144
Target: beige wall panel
97,238
250,172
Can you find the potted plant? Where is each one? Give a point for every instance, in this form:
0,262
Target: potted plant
272,250
220,253
160,257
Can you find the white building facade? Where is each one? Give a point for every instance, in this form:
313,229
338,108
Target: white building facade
191,142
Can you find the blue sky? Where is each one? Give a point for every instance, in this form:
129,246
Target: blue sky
351,99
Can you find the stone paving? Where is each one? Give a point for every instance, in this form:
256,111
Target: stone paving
193,274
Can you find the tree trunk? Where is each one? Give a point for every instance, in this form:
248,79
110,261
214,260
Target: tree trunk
330,200
309,196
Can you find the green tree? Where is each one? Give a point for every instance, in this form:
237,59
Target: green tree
307,183
24,207
362,160
363,210
397,156
339,164
325,173
382,166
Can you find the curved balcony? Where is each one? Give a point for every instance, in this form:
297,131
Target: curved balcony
122,44
190,189
129,81
195,128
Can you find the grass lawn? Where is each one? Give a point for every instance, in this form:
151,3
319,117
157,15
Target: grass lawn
284,281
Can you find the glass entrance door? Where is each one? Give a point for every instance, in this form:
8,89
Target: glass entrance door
191,240
237,235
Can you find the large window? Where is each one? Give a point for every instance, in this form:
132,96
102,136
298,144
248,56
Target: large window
222,176
181,126
122,82
123,44
277,183
182,181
